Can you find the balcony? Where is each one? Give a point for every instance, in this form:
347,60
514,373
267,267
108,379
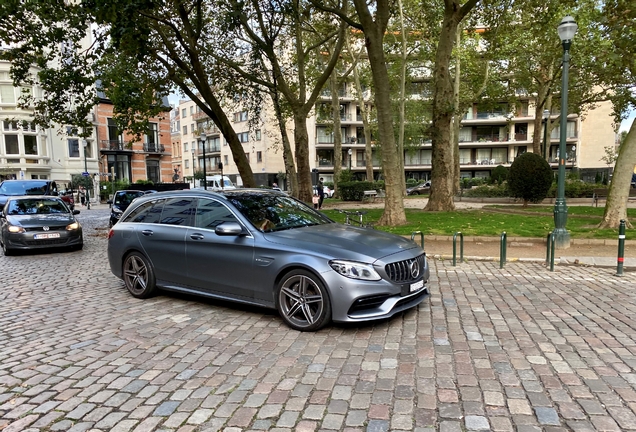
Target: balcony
115,145
521,137
491,138
154,148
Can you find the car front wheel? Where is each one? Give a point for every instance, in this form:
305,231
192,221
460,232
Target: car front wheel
139,276
302,301
6,250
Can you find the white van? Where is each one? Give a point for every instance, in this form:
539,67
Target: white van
214,183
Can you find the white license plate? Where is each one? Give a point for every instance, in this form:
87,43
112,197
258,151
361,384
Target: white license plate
46,236
417,286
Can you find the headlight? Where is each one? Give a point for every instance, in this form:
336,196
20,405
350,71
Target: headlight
117,210
72,227
16,229
355,270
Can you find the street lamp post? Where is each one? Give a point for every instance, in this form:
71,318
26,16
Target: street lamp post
88,191
566,30
194,181
350,154
205,176
546,116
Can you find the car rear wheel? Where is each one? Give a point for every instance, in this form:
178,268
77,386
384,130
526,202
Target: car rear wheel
302,301
139,276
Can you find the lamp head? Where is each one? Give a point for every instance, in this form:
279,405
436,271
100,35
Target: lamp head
567,29
350,152
84,143
546,114
202,136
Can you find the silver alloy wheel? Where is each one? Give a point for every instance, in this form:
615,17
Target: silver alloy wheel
136,275
301,301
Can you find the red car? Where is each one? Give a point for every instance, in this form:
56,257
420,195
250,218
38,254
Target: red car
68,198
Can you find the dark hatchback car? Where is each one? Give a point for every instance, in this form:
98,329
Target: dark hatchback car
39,222
263,247
120,203
420,189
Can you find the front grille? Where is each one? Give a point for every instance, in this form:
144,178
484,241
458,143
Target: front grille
51,228
46,242
400,271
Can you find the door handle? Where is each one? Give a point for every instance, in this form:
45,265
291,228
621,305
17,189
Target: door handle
197,236
147,233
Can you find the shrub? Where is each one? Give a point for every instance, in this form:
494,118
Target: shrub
487,191
530,178
354,190
498,174
574,189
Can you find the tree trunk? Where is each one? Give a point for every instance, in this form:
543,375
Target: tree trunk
301,141
288,155
442,180
457,118
402,120
394,205
616,204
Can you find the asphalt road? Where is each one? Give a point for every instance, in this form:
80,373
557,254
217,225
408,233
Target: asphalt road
513,349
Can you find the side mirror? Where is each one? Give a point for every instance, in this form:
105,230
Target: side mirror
109,202
76,212
229,229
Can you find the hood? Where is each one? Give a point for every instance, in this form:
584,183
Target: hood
342,241
31,221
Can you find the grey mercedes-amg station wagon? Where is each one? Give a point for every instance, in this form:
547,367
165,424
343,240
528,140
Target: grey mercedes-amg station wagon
266,248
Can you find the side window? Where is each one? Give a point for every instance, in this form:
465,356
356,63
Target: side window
177,211
211,213
148,212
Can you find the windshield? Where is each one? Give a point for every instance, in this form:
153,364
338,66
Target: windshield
23,188
275,213
36,206
125,198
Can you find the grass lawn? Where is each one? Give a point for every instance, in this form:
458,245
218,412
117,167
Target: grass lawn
535,221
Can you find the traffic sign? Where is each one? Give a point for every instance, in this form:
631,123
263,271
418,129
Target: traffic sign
85,174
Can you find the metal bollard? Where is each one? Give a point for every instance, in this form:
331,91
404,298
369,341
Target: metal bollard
549,256
421,237
502,250
621,248
461,247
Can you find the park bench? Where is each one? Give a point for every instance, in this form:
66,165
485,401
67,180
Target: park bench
369,195
602,193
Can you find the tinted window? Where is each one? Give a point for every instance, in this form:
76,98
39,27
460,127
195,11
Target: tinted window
148,212
125,198
276,212
177,211
24,188
211,213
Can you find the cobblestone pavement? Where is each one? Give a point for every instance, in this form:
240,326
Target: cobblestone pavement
513,349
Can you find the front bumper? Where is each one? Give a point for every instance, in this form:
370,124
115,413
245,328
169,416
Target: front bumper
27,240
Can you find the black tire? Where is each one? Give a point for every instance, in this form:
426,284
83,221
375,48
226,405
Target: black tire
139,275
302,301
6,250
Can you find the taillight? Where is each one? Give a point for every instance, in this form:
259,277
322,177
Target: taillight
110,233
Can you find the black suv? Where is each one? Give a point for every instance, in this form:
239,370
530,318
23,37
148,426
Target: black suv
25,187
120,203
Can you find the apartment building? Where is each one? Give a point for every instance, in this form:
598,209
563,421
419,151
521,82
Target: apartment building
489,136
261,144
175,141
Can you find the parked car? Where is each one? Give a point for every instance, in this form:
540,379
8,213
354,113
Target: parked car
419,189
327,191
263,247
10,188
68,197
120,202
37,222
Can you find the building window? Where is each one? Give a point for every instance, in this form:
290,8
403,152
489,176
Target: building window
240,116
191,110
152,171
192,128
30,145
257,135
10,125
114,135
184,113
259,156
226,160
247,156
243,137
121,165
187,164
73,147
185,130
185,147
88,150
152,135
7,94
11,144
